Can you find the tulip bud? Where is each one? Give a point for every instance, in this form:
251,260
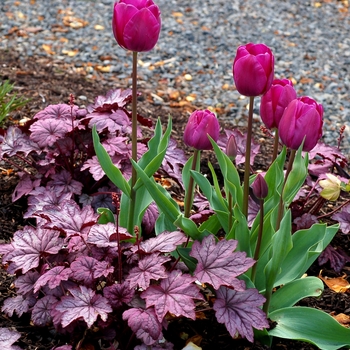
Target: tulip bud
199,126
253,69
231,148
331,187
301,119
259,187
275,101
136,24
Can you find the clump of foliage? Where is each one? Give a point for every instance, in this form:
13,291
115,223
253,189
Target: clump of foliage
9,101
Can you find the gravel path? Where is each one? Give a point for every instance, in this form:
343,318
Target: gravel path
310,40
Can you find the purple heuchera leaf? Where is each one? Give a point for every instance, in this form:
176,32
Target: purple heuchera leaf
30,244
324,158
175,295
149,218
101,235
149,268
343,217
24,187
218,264
18,304
41,313
145,324
95,168
174,160
116,145
64,183
165,242
64,347
25,283
16,142
87,269
241,145
46,132
337,258
240,311
42,196
116,121
118,294
7,338
59,111
53,277
160,346
305,221
69,218
82,303
113,100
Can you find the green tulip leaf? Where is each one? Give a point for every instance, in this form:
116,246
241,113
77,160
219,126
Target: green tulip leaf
162,197
215,199
157,147
106,215
229,172
296,177
240,231
212,224
186,174
307,246
311,325
112,172
281,244
190,228
289,294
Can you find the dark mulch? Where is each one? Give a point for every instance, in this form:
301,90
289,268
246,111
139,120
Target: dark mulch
46,81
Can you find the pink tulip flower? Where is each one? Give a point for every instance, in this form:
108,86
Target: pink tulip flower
136,24
199,126
301,119
275,101
253,69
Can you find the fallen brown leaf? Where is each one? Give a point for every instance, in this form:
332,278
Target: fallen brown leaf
337,284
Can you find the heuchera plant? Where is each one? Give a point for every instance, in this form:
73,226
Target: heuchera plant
113,257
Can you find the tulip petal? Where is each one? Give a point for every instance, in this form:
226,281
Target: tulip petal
249,76
142,31
122,15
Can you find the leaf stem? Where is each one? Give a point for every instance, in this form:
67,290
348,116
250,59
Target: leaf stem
247,157
275,145
133,143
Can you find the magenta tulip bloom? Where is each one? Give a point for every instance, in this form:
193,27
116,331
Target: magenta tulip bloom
253,69
136,24
199,126
302,118
275,101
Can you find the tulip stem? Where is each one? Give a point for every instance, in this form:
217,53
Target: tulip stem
133,143
258,244
190,189
275,146
281,204
247,157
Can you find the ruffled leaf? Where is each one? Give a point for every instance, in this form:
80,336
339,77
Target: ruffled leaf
149,268
175,295
218,264
145,324
240,312
82,303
